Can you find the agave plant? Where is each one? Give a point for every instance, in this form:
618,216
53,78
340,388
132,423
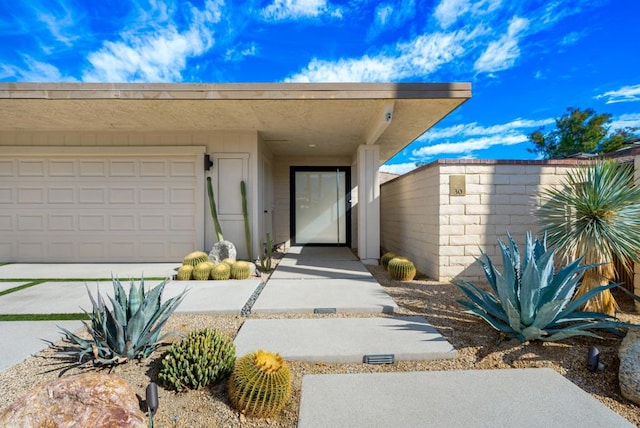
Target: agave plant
528,300
596,216
131,329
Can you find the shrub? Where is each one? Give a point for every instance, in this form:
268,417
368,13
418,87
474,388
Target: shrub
530,301
201,358
131,329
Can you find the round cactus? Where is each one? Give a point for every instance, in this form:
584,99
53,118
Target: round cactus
384,260
184,273
195,258
402,269
240,270
221,272
260,384
202,271
230,262
201,358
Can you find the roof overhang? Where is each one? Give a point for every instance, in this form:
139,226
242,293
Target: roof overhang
292,119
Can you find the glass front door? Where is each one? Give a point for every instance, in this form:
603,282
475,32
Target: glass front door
319,206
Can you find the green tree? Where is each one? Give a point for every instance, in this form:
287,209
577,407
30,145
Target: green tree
579,131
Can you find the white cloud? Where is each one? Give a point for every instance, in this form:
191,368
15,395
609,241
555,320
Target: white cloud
398,168
35,71
629,120
622,95
449,11
295,9
158,54
467,147
471,129
420,57
503,53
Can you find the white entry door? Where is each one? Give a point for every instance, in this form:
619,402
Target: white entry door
319,206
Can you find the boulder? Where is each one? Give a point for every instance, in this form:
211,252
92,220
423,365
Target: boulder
222,250
629,372
86,400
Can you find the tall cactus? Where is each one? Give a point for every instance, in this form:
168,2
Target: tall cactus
245,213
214,212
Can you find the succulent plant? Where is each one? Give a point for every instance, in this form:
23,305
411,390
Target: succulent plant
195,258
245,216
221,272
131,329
229,261
204,356
214,211
185,272
202,271
260,384
530,301
401,269
240,270
386,257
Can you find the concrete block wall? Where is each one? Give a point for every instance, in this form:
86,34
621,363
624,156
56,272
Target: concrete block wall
444,234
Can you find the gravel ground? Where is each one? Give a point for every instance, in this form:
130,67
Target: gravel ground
479,347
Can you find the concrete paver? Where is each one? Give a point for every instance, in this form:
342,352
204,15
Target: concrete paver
344,340
21,339
514,398
222,297
87,270
8,285
344,295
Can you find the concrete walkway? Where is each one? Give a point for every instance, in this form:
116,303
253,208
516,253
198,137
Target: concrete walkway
308,279
513,398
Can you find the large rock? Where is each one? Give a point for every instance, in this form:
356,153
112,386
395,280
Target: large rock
222,250
629,373
86,400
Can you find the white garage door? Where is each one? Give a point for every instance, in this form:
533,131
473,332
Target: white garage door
101,204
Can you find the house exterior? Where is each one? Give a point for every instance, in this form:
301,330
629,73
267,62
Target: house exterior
117,172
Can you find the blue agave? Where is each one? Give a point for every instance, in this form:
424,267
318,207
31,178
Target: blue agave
131,329
530,301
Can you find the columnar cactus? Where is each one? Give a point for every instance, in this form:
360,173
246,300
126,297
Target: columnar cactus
401,269
260,384
201,358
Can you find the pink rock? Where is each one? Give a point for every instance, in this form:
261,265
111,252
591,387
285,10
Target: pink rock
86,400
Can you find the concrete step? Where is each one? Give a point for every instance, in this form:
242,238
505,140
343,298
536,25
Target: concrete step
513,398
344,340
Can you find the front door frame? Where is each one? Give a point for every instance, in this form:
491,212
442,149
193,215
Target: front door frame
292,201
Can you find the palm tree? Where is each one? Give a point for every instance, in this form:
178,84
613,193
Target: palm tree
596,215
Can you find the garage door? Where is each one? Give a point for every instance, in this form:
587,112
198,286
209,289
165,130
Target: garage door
101,204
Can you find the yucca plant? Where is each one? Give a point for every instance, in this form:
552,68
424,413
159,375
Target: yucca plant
528,300
130,329
595,215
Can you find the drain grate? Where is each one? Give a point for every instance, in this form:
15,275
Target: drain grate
324,311
379,359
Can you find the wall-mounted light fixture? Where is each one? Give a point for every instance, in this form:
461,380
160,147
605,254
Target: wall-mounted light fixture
208,163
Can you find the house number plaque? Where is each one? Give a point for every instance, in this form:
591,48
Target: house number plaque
457,185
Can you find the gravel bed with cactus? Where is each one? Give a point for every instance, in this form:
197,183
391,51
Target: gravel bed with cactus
479,347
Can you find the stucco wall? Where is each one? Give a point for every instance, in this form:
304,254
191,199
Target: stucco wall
443,234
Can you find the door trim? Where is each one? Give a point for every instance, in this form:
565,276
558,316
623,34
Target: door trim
292,201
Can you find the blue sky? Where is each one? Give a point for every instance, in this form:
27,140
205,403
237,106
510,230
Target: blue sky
527,60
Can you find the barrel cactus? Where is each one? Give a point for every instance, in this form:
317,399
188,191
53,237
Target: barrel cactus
401,269
184,273
221,272
202,271
260,384
240,270
204,356
386,257
229,261
195,258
